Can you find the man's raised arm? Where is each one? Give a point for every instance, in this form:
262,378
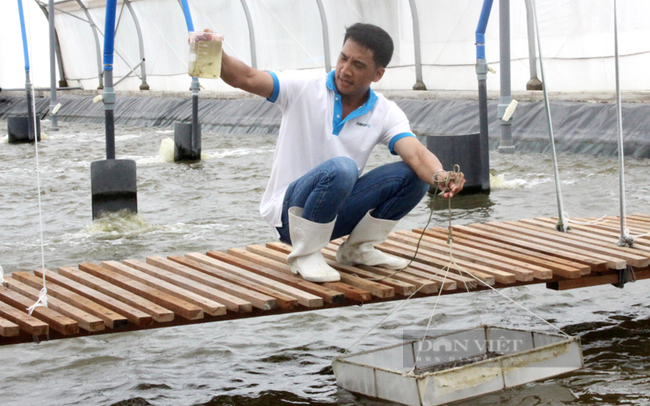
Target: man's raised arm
237,74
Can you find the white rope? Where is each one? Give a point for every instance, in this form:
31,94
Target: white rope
627,234
447,268
42,297
599,220
452,261
561,223
392,311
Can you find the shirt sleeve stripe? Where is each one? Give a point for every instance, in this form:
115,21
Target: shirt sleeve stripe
391,144
276,88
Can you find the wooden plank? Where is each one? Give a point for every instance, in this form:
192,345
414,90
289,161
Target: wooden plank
110,318
610,234
135,316
503,229
642,218
401,288
614,224
8,329
282,273
86,321
406,251
513,263
424,272
221,291
206,303
597,265
595,280
422,285
304,298
280,270
548,262
523,272
630,255
376,289
566,265
578,235
448,280
164,300
639,226
283,301
350,292
277,259
158,313
54,319
25,322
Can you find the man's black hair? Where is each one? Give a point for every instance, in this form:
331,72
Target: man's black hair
374,38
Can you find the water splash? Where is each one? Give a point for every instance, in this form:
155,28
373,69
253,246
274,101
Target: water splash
4,140
123,223
236,152
499,182
165,153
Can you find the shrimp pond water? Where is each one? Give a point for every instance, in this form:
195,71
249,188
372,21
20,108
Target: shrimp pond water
281,360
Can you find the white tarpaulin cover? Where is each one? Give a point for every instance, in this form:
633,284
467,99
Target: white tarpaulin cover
577,40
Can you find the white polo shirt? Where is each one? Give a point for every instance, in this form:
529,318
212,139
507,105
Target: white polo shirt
312,131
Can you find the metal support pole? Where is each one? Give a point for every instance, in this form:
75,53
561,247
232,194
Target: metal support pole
108,95
326,36
562,224
31,130
481,73
99,52
506,146
143,70
59,59
534,83
625,240
419,84
196,135
251,33
195,132
54,126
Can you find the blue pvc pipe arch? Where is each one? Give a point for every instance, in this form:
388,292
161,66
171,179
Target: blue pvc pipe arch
24,34
109,34
188,15
480,29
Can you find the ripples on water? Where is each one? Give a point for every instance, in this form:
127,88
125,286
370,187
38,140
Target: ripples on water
283,360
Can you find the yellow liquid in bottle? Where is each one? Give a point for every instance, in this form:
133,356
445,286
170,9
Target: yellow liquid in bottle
205,59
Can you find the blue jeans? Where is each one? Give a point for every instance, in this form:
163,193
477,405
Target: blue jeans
334,188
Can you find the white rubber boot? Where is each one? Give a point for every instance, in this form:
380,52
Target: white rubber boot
308,239
358,249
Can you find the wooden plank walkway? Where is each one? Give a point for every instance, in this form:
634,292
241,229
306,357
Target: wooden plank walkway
133,294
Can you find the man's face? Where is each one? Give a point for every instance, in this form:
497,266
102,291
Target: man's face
356,69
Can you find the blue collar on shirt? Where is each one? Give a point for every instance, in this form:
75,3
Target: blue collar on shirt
337,123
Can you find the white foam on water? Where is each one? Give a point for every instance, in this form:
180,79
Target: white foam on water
165,153
125,224
126,137
4,140
234,152
117,225
499,182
